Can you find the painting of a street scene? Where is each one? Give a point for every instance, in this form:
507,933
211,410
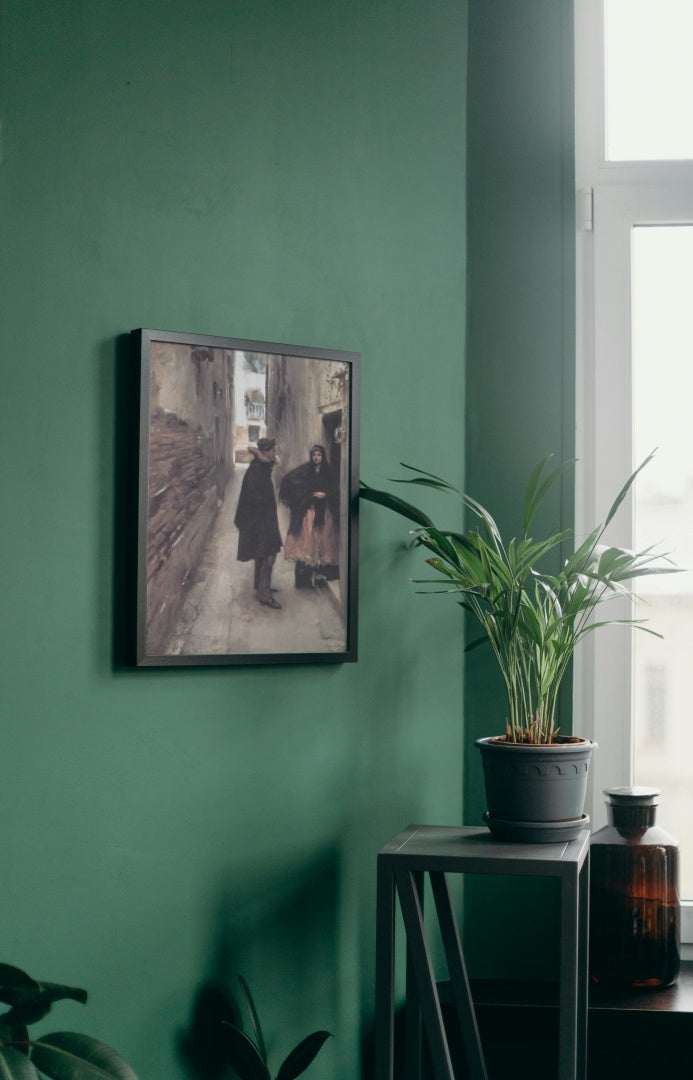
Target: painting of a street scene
248,476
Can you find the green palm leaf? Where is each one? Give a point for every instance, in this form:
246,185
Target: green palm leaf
432,476
384,498
537,490
531,617
625,489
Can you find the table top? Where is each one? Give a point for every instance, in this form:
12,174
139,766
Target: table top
464,849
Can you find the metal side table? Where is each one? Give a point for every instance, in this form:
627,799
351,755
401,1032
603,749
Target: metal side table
440,850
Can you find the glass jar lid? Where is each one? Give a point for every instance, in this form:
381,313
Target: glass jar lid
632,796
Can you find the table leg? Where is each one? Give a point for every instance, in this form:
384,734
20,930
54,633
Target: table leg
413,1043
568,985
583,968
425,978
385,971
458,977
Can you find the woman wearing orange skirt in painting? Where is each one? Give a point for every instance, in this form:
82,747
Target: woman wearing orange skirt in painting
311,493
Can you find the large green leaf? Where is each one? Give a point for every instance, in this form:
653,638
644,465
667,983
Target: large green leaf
405,509
14,1065
243,1055
12,978
301,1056
66,1055
31,1000
14,1034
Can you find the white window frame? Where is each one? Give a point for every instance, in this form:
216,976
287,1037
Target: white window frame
611,198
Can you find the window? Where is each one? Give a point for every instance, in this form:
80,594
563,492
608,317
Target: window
634,166
650,709
648,80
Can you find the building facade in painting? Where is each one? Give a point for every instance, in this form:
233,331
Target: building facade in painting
191,458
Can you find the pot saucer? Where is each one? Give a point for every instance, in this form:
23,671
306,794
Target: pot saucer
535,832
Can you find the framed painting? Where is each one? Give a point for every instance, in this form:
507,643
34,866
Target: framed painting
248,499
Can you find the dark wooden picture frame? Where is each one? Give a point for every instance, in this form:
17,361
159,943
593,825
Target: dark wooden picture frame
248,501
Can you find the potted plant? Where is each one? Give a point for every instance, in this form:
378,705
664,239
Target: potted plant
63,1055
533,618
217,1039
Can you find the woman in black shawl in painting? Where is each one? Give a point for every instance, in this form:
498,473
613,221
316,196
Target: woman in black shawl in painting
311,493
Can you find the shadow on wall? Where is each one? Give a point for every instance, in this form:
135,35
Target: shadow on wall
280,931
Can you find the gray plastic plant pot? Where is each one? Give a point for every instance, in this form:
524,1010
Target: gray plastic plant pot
536,786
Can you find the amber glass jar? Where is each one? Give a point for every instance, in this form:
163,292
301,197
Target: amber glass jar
635,919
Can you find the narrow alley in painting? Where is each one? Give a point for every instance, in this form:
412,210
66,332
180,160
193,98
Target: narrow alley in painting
221,614
211,411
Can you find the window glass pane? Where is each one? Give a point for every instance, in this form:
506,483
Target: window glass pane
663,418
649,79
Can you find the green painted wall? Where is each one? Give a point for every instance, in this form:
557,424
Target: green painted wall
280,171
289,172
520,363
